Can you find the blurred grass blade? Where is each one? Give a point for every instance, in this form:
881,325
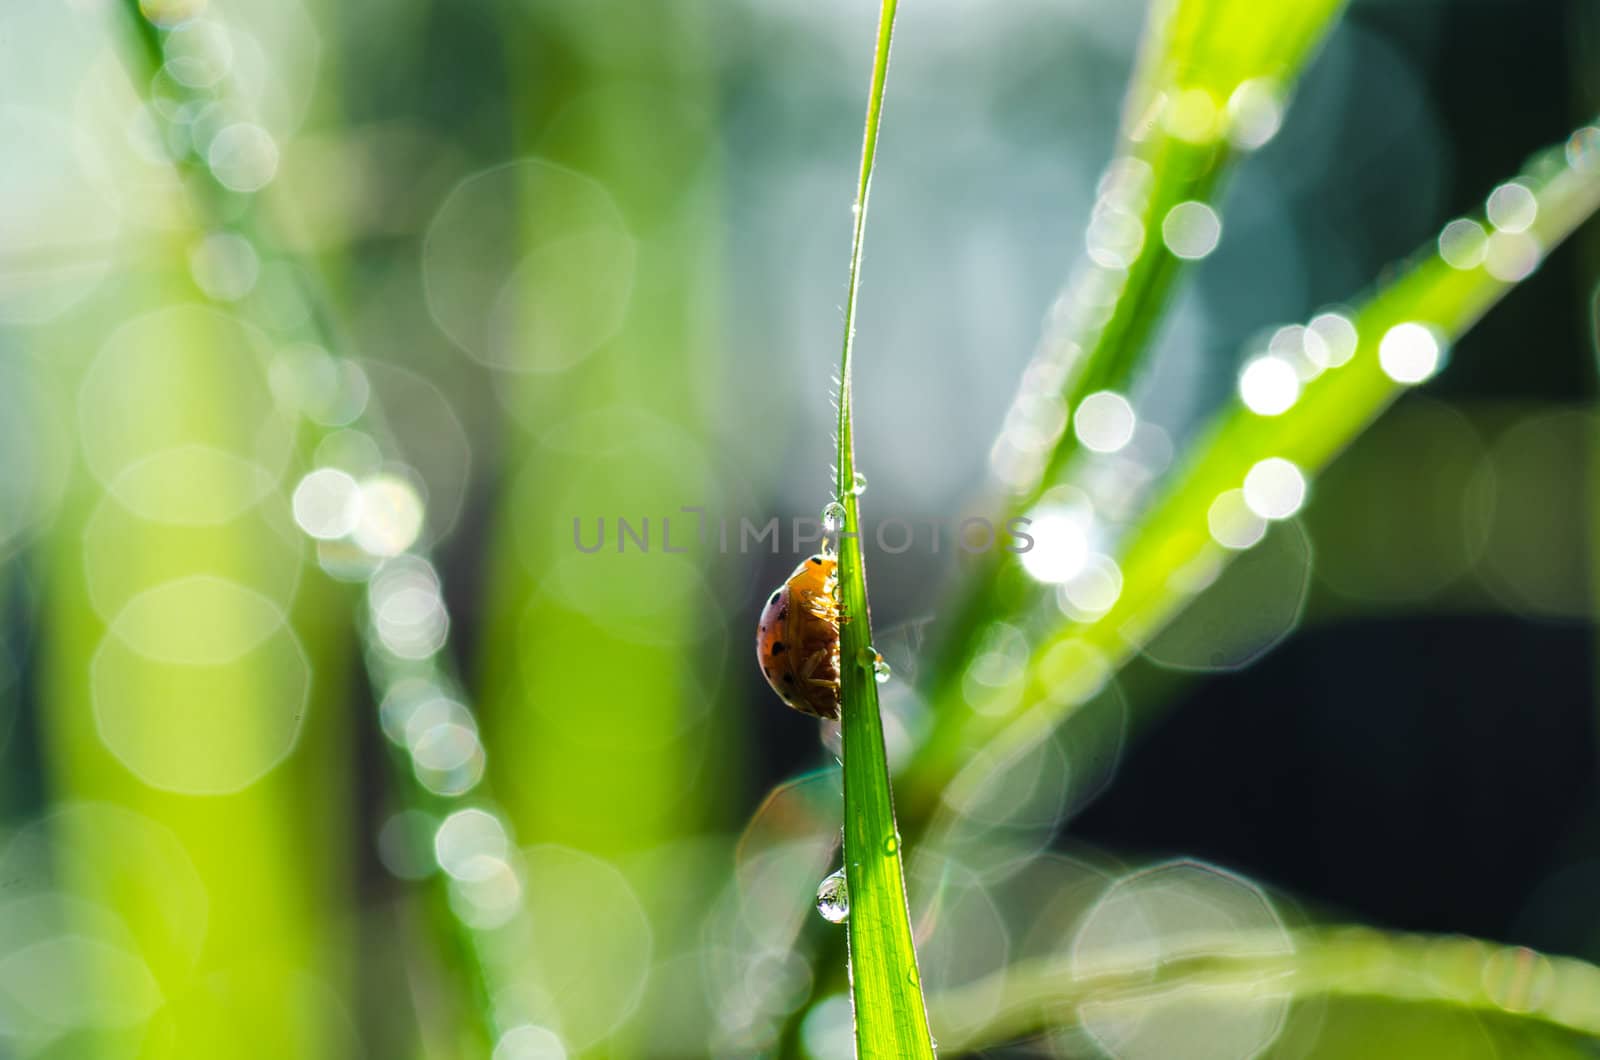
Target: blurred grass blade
1399,336
890,1018
609,239
458,1011
1562,992
1212,81
1211,85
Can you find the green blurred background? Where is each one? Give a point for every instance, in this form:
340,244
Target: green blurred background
322,333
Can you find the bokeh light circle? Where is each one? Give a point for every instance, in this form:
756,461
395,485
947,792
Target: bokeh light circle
1269,386
541,303
1274,488
181,356
1179,910
193,693
1104,421
1410,353
1191,230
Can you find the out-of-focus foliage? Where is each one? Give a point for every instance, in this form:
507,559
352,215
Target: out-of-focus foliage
407,408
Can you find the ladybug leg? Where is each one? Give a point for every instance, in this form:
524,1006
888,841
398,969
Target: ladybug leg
814,662
824,607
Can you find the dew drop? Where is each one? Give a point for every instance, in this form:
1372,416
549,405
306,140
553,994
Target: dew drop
833,518
858,485
880,668
891,845
833,898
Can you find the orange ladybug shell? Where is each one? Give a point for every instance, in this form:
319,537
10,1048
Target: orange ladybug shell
797,638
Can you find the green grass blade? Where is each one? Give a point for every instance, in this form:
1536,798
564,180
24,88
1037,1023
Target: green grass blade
1212,80
891,1020
1327,962
1331,409
460,1012
1206,65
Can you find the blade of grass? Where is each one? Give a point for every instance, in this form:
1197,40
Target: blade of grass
459,954
608,155
1352,962
1207,62
1173,538
1211,82
891,1019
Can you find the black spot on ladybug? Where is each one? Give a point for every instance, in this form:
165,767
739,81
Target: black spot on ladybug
778,647
773,598
817,560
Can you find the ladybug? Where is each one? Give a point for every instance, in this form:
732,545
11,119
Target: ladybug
797,639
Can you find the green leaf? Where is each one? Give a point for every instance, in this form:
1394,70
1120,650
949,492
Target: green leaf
890,1017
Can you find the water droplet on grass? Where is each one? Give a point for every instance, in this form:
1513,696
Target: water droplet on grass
880,669
891,845
833,898
833,518
858,485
